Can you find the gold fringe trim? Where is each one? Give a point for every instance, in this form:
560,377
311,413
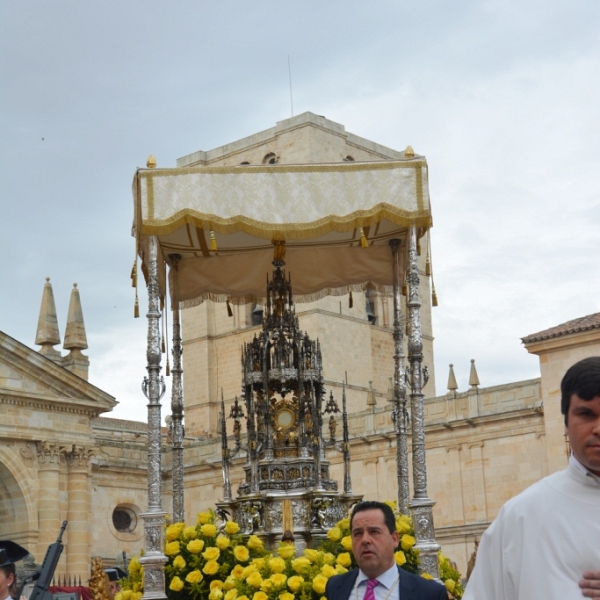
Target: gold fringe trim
213,241
289,231
136,307
384,290
434,298
229,311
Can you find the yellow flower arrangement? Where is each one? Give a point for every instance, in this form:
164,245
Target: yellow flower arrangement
286,551
241,553
194,576
295,583
400,558
211,553
176,584
407,541
254,579
319,583
208,530
346,542
211,567
179,562
277,564
254,543
195,546
172,548
334,534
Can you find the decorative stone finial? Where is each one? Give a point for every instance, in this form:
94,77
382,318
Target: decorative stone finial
409,152
151,162
75,338
452,385
473,377
371,400
47,328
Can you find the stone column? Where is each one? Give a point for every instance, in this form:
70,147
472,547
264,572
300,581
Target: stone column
49,456
78,512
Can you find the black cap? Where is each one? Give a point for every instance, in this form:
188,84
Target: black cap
114,573
10,553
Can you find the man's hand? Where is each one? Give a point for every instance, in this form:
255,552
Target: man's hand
590,584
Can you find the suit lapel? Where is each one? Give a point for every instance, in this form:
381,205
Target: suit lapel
347,584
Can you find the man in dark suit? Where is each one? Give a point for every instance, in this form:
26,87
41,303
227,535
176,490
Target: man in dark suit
374,541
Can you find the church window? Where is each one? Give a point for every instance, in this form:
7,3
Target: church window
124,519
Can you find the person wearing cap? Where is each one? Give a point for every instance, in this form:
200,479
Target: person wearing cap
114,575
10,553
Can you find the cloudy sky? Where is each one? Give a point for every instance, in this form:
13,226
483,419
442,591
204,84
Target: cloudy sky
502,97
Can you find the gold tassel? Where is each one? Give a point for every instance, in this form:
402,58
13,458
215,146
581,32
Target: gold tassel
428,265
350,301
213,241
434,300
229,311
136,307
168,369
134,274
363,239
419,246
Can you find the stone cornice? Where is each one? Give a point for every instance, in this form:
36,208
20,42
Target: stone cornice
51,404
62,385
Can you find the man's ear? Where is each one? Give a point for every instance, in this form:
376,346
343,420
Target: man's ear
396,537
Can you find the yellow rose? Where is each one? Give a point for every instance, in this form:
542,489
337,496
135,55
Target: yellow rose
203,517
319,583
211,553
134,566
179,562
403,524
231,527
173,531
243,598
215,594
259,563
335,535
286,551
215,583
172,548
254,543
287,596
241,553
254,579
450,584
328,558
136,595
260,596
222,542
194,576
127,594
237,570
328,571
344,524
347,543
311,554
301,564
399,557
344,559
277,565
278,579
195,546
231,594
295,583
266,586
211,567
229,583
176,584
407,541
340,570
426,576
189,533
248,571
208,530
118,596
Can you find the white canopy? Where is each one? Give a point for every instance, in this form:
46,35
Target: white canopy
319,211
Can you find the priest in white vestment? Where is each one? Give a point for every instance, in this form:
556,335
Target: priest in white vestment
545,542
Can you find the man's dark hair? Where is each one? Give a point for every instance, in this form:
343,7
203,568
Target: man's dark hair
388,514
583,379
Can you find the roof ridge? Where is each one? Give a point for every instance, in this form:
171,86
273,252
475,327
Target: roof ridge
577,325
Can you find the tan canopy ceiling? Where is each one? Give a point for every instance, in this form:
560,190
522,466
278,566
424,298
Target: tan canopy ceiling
320,211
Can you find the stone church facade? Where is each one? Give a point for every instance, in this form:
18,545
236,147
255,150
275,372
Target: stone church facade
60,459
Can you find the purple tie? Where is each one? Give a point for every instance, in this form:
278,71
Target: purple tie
370,593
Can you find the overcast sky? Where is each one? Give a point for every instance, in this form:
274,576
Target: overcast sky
502,97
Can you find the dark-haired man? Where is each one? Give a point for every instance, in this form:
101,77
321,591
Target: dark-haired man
545,542
10,553
374,541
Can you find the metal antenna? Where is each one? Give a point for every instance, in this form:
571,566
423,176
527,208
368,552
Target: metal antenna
291,96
